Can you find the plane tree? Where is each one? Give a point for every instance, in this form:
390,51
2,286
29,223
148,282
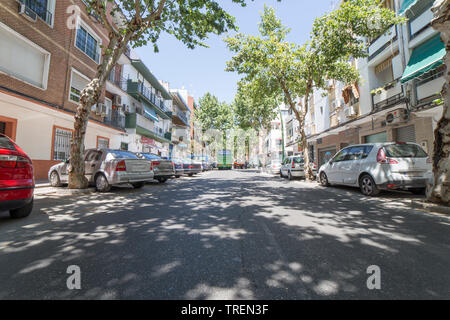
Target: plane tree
138,23
296,71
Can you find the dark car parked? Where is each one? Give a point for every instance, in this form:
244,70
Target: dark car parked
191,167
163,168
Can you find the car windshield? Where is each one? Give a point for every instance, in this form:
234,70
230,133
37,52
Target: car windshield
405,151
151,156
5,143
118,154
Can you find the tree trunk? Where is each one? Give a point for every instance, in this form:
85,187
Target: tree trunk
89,96
440,191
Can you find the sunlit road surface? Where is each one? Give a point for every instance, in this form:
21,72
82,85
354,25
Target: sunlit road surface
226,235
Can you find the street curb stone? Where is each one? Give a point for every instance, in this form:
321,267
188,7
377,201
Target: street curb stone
65,191
431,207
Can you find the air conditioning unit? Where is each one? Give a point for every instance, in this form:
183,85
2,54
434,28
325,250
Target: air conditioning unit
126,108
350,112
397,116
27,13
117,101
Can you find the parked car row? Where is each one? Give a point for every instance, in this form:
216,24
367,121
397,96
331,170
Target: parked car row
372,167
107,167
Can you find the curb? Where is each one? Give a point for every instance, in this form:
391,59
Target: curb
430,207
65,191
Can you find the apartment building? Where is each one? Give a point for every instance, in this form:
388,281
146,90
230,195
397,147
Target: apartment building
398,96
148,105
274,146
181,116
44,65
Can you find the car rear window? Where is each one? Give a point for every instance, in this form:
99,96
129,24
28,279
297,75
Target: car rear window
5,143
298,160
405,151
117,154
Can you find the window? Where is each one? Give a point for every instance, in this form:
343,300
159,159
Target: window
87,43
22,59
358,153
6,144
61,144
77,84
405,151
124,146
102,143
341,156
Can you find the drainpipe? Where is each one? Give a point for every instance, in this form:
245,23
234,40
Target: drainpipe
282,133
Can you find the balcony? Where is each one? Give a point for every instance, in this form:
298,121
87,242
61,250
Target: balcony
139,91
145,128
429,88
115,119
381,43
419,23
118,81
388,95
180,118
40,8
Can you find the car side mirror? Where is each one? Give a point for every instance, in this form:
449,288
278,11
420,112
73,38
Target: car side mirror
67,161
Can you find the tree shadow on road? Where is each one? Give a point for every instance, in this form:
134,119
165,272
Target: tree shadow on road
238,236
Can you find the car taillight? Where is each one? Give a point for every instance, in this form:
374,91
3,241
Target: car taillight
429,160
293,165
10,161
191,167
155,163
381,158
121,166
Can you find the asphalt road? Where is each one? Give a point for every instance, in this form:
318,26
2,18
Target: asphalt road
226,235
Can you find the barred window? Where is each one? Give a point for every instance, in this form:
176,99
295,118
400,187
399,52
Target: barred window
61,144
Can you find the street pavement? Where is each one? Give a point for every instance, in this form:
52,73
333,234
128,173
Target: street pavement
226,235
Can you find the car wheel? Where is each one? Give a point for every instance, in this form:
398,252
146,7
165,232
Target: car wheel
22,212
281,174
177,177
324,179
138,185
101,183
290,177
418,191
368,186
162,180
55,181
190,174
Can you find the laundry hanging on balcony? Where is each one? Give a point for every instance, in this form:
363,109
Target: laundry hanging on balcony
426,57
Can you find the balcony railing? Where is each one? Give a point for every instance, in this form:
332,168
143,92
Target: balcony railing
141,89
431,86
115,119
119,82
40,8
379,44
388,96
182,116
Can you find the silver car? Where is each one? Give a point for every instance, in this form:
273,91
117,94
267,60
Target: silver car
274,167
106,167
377,166
293,167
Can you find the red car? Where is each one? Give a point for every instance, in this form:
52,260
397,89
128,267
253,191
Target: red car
16,179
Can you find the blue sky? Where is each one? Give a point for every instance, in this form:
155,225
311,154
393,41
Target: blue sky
202,69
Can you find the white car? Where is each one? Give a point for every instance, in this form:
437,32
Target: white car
293,167
377,166
274,167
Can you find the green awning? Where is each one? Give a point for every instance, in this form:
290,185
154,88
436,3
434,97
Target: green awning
150,113
406,5
426,57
